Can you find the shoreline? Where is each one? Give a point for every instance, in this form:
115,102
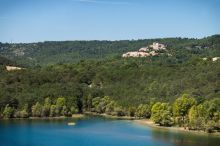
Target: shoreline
145,122
110,116
150,123
76,116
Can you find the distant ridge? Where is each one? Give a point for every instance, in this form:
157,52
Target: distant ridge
53,52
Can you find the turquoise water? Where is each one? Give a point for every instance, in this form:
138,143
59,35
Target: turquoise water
93,131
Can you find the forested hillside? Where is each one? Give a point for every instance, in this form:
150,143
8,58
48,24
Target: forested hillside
64,78
43,53
128,81
4,61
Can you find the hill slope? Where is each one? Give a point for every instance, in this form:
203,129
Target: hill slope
45,53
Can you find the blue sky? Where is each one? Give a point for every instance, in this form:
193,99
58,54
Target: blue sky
45,20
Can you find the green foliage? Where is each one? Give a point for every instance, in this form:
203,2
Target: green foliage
110,107
181,106
106,105
128,85
101,81
65,111
101,105
143,110
119,111
5,61
96,106
60,102
213,108
161,114
53,52
197,117
60,106
73,110
166,118
36,110
131,111
23,113
8,112
87,103
205,116
53,111
46,107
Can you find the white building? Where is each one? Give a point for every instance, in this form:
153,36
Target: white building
135,54
146,51
215,58
157,46
143,49
11,68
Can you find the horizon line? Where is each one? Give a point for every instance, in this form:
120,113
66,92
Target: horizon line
110,40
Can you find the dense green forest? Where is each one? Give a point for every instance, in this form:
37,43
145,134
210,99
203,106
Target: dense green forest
182,89
44,53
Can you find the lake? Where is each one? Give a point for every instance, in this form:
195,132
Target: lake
94,131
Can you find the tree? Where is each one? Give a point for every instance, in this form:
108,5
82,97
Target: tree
166,118
65,111
46,107
213,108
143,111
131,111
181,107
102,105
8,112
161,114
73,110
60,103
210,126
22,113
119,111
53,111
204,116
36,110
95,104
110,107
211,114
87,103
98,105
197,117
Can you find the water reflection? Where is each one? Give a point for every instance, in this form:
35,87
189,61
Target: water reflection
184,139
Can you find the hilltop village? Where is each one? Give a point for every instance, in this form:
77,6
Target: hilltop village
156,49
151,50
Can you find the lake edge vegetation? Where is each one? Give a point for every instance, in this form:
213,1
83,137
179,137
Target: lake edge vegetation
184,112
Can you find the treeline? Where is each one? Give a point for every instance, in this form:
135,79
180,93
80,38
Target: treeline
48,108
185,111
